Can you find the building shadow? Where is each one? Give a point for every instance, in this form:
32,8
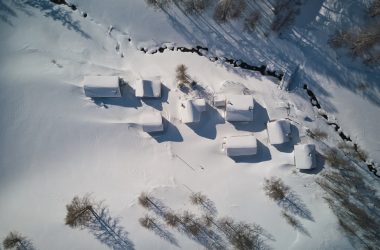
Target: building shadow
169,134
128,98
206,127
156,103
263,154
259,123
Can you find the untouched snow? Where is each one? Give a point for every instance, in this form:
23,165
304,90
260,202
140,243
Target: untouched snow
57,143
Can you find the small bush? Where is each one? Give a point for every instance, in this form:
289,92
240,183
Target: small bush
14,240
317,134
275,189
195,6
334,158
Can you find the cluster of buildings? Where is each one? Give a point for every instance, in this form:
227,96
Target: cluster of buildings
238,108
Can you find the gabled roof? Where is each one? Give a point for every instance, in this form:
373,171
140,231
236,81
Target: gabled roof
101,86
304,156
241,145
278,131
239,108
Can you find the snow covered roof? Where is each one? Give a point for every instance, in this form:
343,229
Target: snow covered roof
304,156
151,122
278,131
191,110
219,100
241,145
148,87
101,86
239,108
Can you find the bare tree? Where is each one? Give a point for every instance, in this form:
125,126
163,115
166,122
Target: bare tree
226,10
251,21
340,39
275,188
83,213
171,219
195,6
317,134
182,76
374,8
15,240
147,222
158,4
197,198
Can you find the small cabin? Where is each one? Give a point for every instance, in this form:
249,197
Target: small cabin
151,122
279,131
148,88
239,108
240,145
304,156
191,110
102,86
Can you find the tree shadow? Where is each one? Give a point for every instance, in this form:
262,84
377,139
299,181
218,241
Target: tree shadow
169,134
157,102
263,154
108,231
6,13
161,231
293,204
208,207
58,13
206,127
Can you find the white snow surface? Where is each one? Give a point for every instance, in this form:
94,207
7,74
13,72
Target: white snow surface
56,143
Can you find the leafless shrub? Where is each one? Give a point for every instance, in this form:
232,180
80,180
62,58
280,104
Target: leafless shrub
15,240
147,222
275,189
251,21
365,40
158,4
171,219
374,8
285,12
226,10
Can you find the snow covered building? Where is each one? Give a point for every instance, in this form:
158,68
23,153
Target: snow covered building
240,145
191,110
102,86
150,88
151,122
219,101
278,131
304,156
239,108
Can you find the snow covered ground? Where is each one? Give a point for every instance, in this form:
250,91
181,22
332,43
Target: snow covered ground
56,143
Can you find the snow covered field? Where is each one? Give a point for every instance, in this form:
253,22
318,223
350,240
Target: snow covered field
55,143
